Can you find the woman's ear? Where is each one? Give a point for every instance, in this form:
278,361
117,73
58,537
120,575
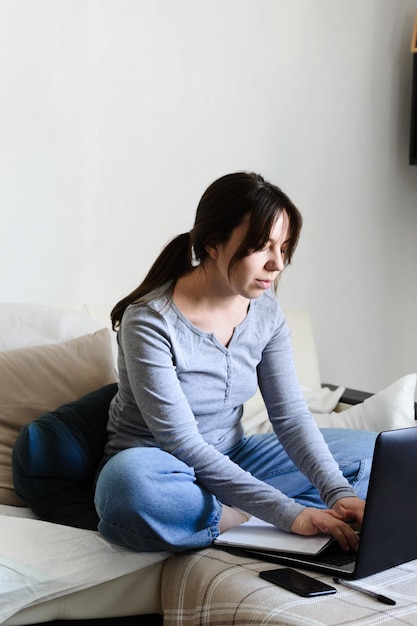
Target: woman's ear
212,250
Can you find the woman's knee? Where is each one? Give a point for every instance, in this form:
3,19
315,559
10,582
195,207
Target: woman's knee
348,445
148,500
353,450
132,480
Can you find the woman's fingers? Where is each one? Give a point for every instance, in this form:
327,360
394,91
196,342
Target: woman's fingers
314,521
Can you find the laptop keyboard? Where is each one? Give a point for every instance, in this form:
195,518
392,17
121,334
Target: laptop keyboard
334,555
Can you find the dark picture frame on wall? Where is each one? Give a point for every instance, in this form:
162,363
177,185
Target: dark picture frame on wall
413,124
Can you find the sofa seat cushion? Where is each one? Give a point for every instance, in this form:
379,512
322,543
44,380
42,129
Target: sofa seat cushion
55,459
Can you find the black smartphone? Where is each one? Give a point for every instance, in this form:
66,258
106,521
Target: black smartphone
297,582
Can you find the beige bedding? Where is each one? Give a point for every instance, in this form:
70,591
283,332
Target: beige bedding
214,587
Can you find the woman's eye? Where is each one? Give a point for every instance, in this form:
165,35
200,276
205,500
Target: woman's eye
263,249
269,246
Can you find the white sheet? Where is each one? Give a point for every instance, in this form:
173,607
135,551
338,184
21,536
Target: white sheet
40,560
17,511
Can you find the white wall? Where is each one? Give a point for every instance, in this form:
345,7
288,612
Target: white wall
115,115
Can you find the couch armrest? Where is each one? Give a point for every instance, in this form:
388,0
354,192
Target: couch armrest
354,396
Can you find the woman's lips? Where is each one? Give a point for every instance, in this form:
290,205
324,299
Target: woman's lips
265,284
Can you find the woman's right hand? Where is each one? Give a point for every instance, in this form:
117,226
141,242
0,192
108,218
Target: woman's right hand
313,521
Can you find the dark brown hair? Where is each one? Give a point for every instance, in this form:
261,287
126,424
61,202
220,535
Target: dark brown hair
223,207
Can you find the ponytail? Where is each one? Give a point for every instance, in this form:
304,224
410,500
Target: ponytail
174,261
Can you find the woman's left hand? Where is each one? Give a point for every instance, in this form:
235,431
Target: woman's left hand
350,509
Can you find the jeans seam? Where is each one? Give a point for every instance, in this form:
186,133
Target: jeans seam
360,473
213,528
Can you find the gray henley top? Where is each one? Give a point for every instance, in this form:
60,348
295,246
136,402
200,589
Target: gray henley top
180,389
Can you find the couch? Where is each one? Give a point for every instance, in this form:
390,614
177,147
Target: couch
58,374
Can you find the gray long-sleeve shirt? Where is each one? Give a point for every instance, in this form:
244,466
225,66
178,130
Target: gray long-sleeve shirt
180,389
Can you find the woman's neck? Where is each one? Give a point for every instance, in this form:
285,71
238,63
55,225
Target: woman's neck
208,307
202,286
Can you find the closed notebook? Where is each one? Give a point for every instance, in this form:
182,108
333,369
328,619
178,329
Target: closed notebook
258,534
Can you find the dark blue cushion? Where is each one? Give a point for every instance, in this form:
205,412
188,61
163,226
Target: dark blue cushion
56,456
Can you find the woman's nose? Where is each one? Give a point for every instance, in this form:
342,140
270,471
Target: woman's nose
275,263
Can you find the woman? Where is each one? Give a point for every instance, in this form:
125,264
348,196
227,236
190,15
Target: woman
196,338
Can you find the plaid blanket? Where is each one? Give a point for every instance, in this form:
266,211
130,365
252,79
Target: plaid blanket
218,588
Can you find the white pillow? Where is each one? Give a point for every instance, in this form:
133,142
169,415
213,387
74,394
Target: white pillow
26,324
255,416
386,410
323,400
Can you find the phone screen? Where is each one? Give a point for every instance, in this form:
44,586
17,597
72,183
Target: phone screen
297,582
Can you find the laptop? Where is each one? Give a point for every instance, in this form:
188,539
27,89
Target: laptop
389,535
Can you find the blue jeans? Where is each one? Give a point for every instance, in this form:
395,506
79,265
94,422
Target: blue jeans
148,500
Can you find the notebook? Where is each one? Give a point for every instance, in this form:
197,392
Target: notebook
388,536
259,534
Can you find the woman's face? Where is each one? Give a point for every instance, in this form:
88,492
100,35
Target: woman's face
256,272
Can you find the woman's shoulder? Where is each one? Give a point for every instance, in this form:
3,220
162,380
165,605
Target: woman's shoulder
155,304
